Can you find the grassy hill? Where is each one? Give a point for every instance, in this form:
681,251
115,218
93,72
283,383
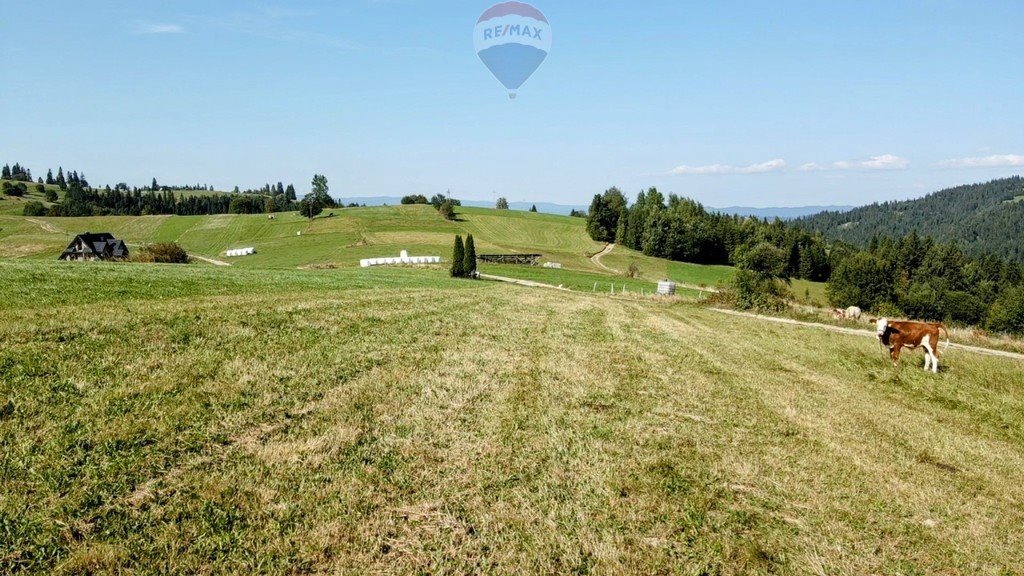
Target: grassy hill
345,238
980,217
15,206
341,240
223,420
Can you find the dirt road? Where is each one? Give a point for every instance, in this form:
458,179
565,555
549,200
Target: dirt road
210,260
596,258
866,333
527,283
45,226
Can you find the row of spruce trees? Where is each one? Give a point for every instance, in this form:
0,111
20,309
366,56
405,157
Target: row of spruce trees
464,258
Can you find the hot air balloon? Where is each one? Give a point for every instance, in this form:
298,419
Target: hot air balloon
512,39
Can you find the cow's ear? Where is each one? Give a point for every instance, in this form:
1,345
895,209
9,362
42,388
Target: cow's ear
873,320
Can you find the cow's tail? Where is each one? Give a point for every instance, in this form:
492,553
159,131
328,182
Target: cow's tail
946,330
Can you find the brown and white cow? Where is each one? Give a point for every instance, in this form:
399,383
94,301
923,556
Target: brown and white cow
900,335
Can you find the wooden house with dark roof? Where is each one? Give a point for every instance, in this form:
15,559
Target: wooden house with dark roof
95,246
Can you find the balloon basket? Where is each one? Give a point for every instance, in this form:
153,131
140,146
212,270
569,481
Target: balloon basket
511,95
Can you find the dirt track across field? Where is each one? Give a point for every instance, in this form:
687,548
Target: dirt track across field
855,332
45,226
210,260
596,258
527,283
791,322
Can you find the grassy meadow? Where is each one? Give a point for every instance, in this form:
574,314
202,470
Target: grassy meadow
15,205
581,281
341,237
160,419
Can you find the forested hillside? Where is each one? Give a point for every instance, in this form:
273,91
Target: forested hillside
893,273
980,218
71,195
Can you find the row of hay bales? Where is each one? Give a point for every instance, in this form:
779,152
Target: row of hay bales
404,258
240,252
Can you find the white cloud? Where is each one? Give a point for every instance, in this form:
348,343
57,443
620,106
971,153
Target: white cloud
723,169
994,161
150,28
883,162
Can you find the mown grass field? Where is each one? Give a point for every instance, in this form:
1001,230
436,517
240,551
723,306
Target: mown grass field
661,269
582,281
809,292
351,234
195,419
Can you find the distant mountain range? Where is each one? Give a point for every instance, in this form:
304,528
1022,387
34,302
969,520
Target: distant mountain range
565,209
980,218
783,213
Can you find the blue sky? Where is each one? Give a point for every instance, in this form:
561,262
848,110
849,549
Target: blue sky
753,103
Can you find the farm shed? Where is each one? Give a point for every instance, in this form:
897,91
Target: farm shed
95,246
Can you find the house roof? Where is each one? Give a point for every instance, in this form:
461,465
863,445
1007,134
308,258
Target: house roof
93,237
101,244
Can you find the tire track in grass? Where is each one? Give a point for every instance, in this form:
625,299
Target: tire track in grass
855,332
596,258
45,226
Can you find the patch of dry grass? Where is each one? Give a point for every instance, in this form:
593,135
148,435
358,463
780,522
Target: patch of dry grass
423,425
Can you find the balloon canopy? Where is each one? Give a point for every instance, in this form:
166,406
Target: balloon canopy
512,39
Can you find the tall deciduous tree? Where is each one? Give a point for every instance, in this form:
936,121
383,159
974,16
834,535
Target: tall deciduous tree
321,191
502,204
603,218
447,210
311,206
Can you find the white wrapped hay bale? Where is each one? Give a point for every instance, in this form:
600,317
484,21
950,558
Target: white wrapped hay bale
403,258
239,252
